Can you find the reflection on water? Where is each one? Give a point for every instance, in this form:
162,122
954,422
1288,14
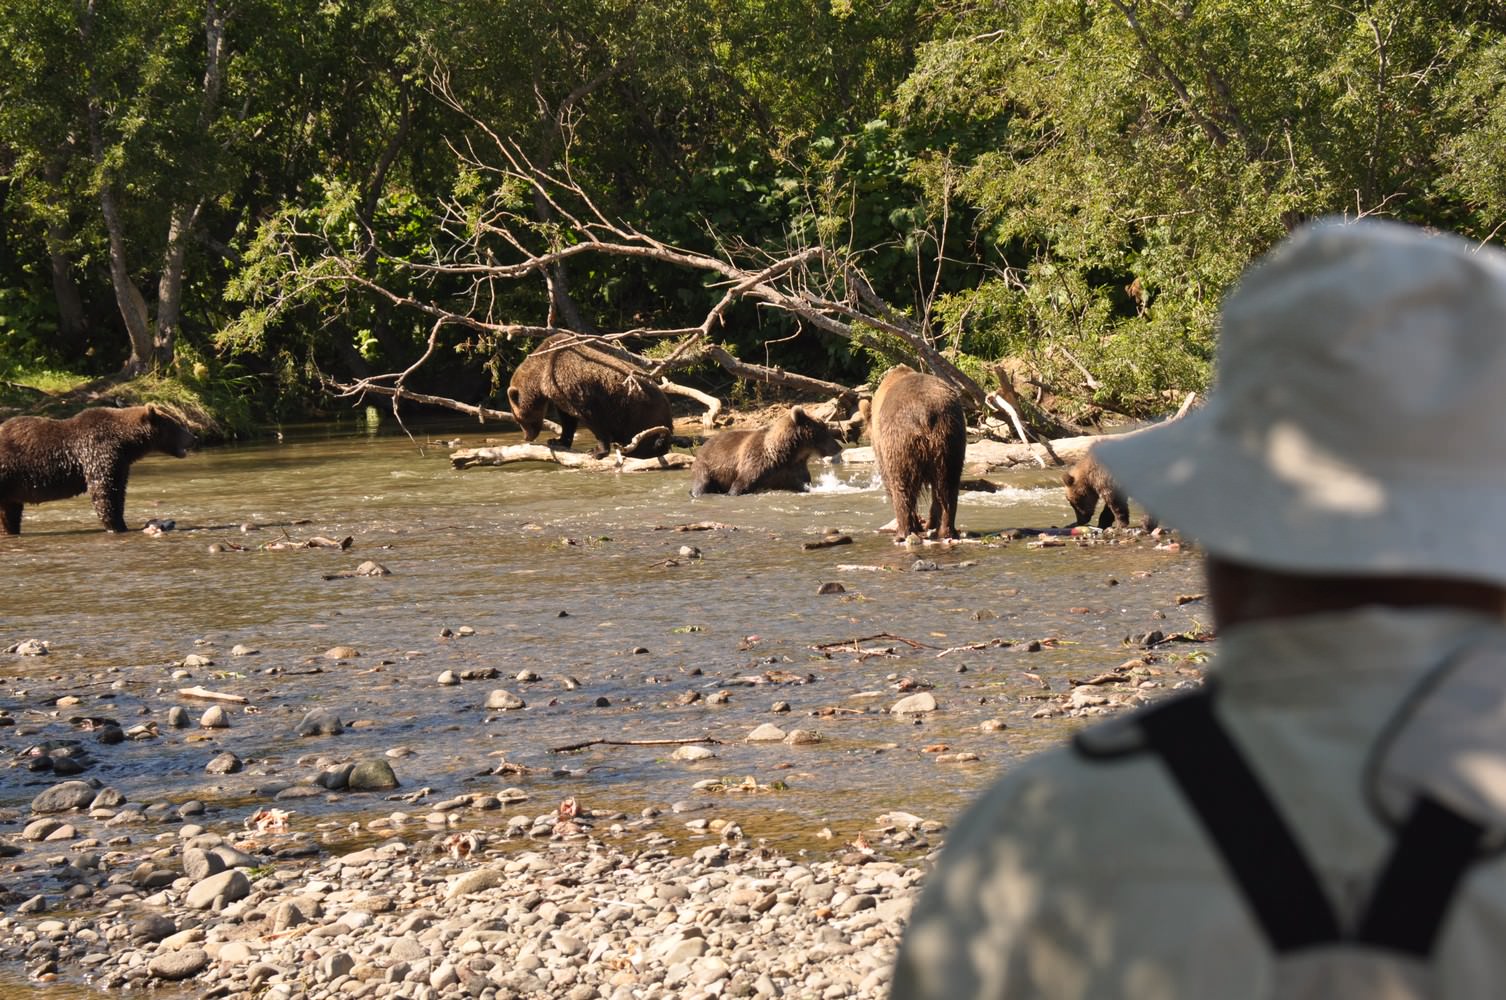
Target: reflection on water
580,579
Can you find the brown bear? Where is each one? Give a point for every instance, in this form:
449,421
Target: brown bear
42,459
588,384
919,434
763,458
1088,482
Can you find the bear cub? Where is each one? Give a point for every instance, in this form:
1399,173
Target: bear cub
919,434
42,459
764,458
589,384
1088,482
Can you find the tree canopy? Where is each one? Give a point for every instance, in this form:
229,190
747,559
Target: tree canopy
261,193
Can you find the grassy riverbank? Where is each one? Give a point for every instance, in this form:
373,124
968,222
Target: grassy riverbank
217,408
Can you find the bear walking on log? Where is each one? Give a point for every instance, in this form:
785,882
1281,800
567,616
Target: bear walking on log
1088,482
589,385
42,459
763,458
919,435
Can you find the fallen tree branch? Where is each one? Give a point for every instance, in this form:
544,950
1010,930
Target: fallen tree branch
467,458
712,404
635,743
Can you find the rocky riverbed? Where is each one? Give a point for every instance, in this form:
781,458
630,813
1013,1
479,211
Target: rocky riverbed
588,737
473,896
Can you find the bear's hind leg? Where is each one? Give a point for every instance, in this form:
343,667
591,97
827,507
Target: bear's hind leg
10,518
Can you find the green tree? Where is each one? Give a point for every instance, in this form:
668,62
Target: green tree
1147,152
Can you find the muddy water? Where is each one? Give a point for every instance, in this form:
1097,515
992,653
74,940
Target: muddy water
565,574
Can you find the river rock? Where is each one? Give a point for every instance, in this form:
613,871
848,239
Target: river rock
230,885
176,965
766,733
802,737
341,653
372,776
504,701
214,717
233,857
149,928
196,660
320,722
225,763
691,752
177,717
64,796
240,649
476,881
199,865
29,647
915,704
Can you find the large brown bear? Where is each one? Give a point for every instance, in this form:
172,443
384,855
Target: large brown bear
764,458
589,385
919,434
42,459
1088,482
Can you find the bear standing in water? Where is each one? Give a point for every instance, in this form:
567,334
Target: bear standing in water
765,458
919,435
1088,482
592,386
42,459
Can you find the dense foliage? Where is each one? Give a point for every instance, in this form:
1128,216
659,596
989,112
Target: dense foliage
1067,184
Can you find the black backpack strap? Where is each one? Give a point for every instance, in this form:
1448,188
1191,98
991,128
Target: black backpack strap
1243,823
1434,849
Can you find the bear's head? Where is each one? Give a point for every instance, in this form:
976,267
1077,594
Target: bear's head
169,434
528,410
1081,494
815,436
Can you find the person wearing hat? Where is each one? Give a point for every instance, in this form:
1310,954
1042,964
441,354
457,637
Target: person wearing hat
1325,816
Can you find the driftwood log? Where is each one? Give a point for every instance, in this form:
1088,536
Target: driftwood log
507,454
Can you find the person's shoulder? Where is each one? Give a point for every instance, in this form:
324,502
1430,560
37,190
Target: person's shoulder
1120,807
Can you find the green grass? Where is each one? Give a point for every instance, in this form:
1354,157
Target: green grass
214,409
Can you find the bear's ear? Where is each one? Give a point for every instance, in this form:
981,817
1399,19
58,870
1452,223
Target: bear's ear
514,396
1067,478
798,415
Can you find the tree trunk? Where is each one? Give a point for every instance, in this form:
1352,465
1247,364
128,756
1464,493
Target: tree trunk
128,297
170,285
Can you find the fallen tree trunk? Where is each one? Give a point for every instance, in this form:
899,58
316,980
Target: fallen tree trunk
508,454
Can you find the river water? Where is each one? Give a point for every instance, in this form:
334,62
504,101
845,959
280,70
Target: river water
568,575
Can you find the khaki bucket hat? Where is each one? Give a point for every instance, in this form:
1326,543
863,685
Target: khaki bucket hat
1358,421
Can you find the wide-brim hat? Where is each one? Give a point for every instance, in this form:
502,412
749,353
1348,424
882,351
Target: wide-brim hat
1358,421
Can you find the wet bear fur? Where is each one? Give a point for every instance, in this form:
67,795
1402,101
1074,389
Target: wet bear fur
42,459
1087,483
763,458
919,435
588,384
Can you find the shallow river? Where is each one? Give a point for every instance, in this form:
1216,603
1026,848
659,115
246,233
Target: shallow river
565,574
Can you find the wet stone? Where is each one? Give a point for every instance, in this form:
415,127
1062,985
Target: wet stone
64,796
504,701
320,722
225,763
177,965
914,704
372,776
214,717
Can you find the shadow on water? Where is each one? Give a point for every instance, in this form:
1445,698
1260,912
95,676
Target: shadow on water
579,579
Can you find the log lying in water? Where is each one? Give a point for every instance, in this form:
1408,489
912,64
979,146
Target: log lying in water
465,458
987,456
